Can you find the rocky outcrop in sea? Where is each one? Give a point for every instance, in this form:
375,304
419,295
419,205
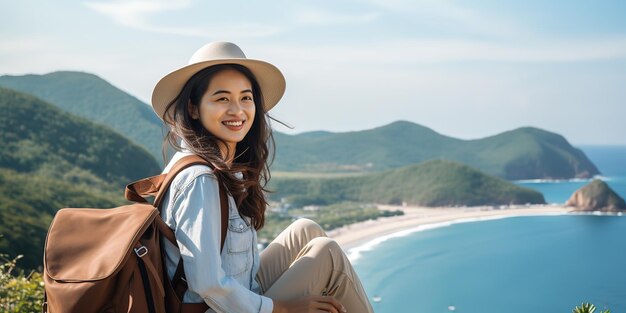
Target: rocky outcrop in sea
596,196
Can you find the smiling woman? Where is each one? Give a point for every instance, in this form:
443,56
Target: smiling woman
228,100
226,109
216,108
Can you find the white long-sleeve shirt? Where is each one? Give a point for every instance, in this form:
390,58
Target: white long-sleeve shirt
226,281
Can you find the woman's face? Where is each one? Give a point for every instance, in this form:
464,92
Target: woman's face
227,108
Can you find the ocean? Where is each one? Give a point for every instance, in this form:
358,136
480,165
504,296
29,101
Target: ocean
517,264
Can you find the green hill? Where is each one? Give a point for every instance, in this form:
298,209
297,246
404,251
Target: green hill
51,159
27,204
38,137
523,153
91,97
431,183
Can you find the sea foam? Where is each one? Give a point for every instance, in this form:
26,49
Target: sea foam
570,180
356,252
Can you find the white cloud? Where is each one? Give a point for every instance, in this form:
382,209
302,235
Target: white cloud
408,52
17,46
324,17
136,14
445,14
365,85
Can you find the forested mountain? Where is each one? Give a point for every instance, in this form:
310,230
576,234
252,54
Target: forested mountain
431,183
523,153
51,159
91,97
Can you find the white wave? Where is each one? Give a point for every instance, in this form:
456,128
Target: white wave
570,180
356,252
597,213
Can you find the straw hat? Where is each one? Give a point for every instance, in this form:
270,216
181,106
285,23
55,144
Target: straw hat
270,79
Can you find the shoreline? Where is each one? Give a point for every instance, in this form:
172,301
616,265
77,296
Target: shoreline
361,236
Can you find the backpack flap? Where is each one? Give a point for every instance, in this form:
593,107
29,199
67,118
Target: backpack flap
92,244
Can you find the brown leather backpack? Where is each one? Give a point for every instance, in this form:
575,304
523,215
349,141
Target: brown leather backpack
110,260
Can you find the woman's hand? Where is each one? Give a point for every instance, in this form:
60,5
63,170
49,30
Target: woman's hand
309,304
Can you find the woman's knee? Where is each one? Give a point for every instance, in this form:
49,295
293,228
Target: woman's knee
326,244
310,228
327,253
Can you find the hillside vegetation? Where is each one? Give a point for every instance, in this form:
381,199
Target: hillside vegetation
523,153
95,99
27,205
51,159
329,217
40,138
431,183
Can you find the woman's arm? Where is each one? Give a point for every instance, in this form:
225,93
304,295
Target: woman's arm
197,215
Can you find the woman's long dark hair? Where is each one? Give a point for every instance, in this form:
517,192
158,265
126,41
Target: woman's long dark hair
251,154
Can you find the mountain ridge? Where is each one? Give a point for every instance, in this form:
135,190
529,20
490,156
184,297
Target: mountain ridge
89,96
522,153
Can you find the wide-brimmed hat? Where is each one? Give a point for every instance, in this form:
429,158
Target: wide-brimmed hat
270,79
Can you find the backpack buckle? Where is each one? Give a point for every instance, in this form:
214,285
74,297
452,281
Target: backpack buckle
141,251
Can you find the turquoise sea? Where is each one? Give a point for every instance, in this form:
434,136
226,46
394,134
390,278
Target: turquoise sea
517,264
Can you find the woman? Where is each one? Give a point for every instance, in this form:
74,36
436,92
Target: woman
216,107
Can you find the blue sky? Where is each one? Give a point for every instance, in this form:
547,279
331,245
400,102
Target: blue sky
465,69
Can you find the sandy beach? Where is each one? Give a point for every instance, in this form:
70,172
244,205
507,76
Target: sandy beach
353,235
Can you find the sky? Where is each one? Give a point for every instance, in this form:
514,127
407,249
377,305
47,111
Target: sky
466,69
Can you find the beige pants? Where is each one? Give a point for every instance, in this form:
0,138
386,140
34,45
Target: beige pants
302,261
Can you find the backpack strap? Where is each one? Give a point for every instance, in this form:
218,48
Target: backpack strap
157,187
136,191
178,280
180,165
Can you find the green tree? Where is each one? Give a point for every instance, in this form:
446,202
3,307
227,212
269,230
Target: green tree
19,292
